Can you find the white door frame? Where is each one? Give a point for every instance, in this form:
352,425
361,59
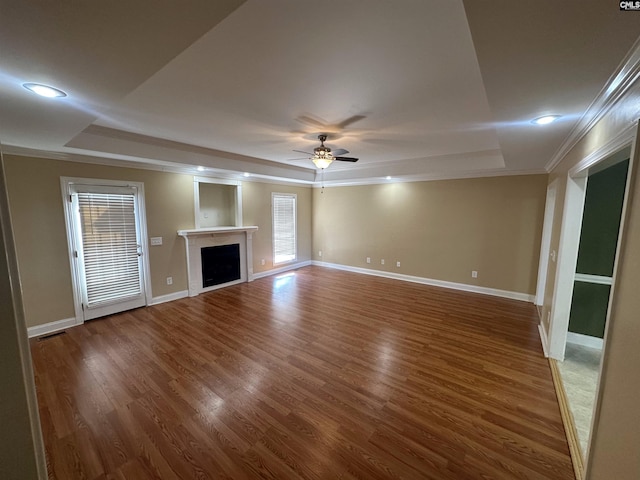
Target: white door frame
570,239
567,261
66,183
545,244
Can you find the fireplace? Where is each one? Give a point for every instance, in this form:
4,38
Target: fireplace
220,264
218,257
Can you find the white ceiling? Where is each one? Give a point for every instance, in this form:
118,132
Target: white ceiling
415,89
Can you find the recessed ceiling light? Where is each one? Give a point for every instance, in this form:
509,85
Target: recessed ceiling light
44,90
200,168
545,120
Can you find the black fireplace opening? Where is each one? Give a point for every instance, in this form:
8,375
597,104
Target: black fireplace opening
220,264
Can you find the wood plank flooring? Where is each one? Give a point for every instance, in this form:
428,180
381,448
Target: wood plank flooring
313,374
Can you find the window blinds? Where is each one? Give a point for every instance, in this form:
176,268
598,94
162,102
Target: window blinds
284,227
109,246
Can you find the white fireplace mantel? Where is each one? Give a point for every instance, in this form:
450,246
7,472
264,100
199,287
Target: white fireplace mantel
198,238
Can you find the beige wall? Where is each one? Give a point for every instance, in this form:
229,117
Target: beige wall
439,229
256,210
35,198
36,205
217,205
616,434
21,450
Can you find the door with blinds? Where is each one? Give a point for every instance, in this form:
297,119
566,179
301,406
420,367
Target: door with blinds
107,248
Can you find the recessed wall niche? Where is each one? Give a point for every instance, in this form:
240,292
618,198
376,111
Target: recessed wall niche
218,202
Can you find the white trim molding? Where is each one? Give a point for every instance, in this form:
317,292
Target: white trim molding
544,339
237,214
588,278
585,340
623,139
169,297
524,297
545,244
286,268
51,327
60,325
618,85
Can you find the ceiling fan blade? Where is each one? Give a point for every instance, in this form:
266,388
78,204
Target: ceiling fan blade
339,151
350,120
306,153
310,121
345,159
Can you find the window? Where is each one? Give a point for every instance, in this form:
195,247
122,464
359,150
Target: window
284,227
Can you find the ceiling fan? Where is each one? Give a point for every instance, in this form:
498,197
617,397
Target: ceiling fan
322,156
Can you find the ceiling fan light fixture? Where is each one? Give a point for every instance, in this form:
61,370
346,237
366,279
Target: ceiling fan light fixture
322,161
322,156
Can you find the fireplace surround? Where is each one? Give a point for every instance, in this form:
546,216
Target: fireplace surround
202,239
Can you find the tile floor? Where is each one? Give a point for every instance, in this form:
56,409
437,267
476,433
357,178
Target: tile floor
579,373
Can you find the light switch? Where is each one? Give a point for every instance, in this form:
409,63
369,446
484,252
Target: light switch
156,241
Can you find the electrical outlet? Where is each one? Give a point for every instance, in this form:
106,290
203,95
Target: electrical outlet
368,259
319,253
474,274
262,262
382,262
156,241
169,280
397,264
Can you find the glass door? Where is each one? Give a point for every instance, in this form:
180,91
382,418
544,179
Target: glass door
108,249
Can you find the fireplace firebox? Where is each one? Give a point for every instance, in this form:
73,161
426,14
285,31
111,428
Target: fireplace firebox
220,264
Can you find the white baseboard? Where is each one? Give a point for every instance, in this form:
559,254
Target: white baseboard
286,268
525,297
51,327
170,297
544,339
585,340
58,325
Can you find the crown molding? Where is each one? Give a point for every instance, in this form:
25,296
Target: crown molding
430,177
623,139
616,87
155,165
163,166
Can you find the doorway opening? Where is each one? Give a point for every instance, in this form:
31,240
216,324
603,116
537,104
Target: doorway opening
595,195
593,278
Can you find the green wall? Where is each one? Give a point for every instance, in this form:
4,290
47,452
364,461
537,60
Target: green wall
601,220
596,254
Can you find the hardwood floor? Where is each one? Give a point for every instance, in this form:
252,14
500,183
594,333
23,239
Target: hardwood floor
314,374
